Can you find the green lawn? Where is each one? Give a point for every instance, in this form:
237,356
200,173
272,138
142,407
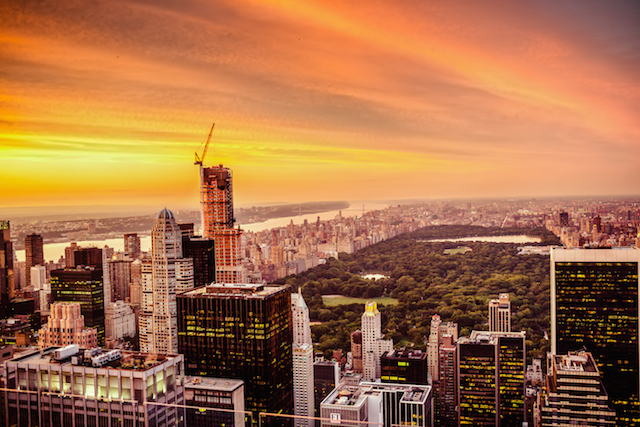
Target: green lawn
334,300
458,250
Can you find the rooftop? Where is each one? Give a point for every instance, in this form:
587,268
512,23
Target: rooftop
241,290
208,383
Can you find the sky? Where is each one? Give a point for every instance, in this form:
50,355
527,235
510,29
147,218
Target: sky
105,102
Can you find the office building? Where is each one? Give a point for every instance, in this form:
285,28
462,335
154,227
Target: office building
69,255
403,366
38,284
446,398
214,402
83,285
66,326
303,385
132,245
202,252
63,386
120,279
91,257
574,393
437,330
594,305
326,377
34,255
120,321
241,331
377,403
6,268
491,383
373,346
170,275
500,314
218,222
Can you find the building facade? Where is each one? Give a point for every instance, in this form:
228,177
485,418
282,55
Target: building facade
170,275
373,346
6,268
214,402
218,222
500,314
34,255
574,393
303,400
120,321
403,366
594,304
66,326
65,387
83,285
241,331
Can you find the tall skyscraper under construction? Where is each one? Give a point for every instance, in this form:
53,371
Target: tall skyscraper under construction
216,188
594,305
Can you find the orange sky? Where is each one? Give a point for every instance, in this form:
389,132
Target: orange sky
105,102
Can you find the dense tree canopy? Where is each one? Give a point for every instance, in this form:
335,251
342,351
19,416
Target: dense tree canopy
427,281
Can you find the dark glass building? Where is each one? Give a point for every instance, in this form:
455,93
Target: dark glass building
202,251
402,366
241,331
491,383
326,376
83,285
594,305
6,268
88,257
34,255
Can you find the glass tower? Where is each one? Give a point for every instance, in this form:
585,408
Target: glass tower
594,305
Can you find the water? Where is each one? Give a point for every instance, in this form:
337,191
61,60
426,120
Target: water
354,210
53,251
494,239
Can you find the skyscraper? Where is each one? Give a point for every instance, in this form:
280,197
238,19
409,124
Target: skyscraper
241,331
170,274
303,402
202,251
6,268
132,245
218,222
594,304
34,255
574,394
500,314
373,346
491,383
83,285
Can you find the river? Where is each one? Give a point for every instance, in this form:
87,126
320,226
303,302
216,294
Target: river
53,251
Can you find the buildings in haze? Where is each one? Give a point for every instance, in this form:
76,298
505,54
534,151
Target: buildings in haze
170,275
574,393
34,255
500,314
218,222
83,285
594,305
132,245
65,326
373,346
63,386
241,331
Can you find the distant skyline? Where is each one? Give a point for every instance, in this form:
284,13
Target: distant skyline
106,102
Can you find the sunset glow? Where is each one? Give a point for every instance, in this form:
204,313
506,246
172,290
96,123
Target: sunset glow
105,102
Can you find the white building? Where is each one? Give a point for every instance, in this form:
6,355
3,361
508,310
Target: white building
303,383
500,314
59,386
170,274
119,321
372,343
437,331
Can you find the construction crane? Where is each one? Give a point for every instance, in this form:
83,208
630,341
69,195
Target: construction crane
199,159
